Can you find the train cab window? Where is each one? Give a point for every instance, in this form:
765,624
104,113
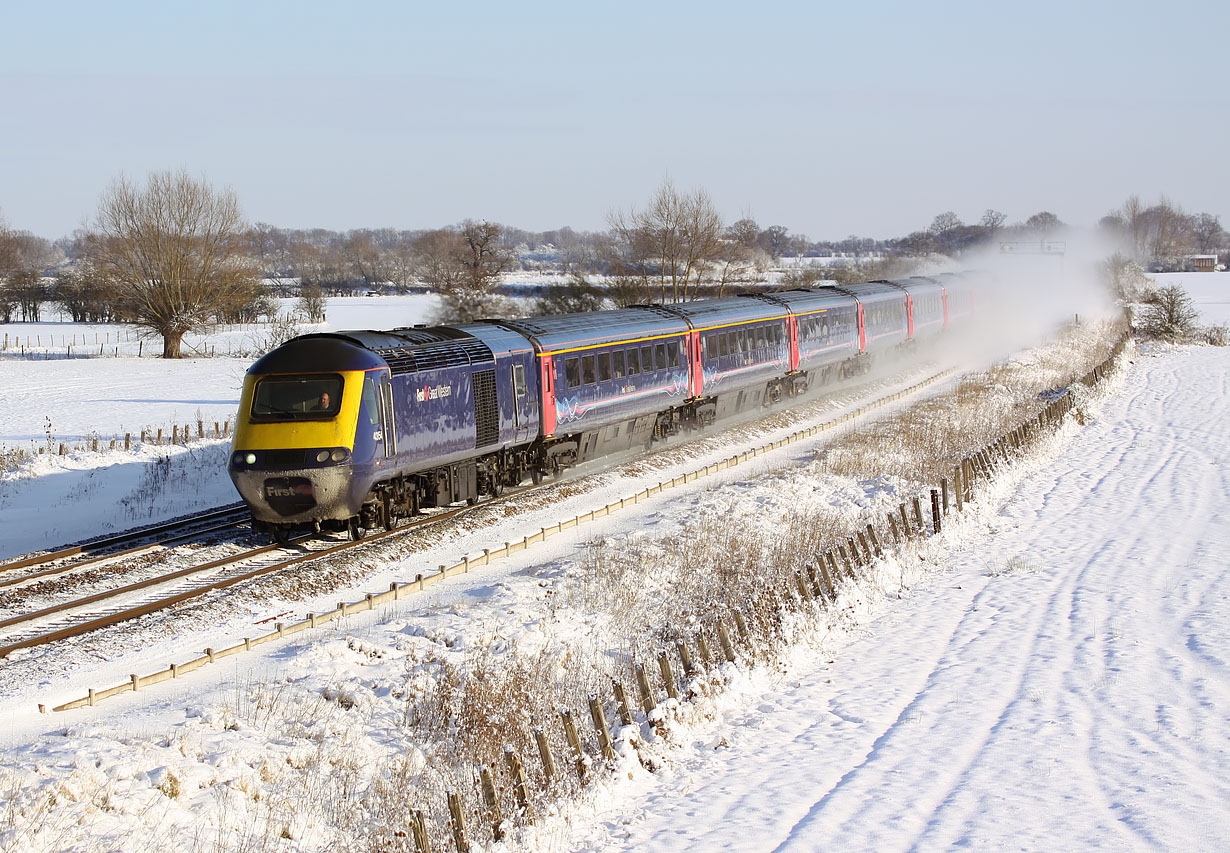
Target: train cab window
660,356
672,353
370,404
647,359
587,369
518,376
634,361
309,398
572,372
604,367
617,364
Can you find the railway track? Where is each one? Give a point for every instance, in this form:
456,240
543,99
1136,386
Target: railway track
69,619
113,606
127,544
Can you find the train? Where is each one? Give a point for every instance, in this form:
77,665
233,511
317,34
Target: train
351,431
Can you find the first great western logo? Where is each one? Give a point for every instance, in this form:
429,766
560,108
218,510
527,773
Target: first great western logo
433,392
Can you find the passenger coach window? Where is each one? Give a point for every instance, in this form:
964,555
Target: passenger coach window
587,369
572,372
647,359
617,364
634,361
723,345
660,352
672,353
604,367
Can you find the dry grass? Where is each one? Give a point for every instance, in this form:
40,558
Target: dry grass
925,442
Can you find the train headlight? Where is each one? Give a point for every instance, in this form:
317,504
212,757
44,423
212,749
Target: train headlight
250,459
322,456
339,455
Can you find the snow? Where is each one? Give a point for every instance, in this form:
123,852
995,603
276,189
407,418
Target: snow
1050,672
1060,684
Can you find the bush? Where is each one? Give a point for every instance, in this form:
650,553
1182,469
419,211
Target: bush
1170,315
1217,335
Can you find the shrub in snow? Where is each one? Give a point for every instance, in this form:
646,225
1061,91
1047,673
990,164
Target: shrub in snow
1171,315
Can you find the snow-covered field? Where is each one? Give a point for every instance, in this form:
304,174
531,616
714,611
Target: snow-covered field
70,399
1060,683
1053,675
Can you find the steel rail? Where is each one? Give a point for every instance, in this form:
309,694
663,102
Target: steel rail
169,601
121,538
128,552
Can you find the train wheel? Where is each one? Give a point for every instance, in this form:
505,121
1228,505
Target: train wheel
356,532
535,475
280,536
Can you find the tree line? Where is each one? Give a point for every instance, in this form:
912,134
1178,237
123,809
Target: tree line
174,255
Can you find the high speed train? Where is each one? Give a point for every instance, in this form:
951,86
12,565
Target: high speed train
352,430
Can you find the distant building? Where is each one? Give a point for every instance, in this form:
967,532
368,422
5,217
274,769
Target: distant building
1202,263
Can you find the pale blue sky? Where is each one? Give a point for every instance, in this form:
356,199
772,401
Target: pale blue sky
831,120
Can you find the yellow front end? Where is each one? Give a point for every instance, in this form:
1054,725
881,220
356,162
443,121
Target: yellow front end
288,435
275,464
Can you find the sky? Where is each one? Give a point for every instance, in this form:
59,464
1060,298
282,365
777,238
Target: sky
829,119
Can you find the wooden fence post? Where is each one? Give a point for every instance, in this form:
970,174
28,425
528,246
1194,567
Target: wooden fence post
458,823
604,733
875,541
418,829
724,638
845,561
702,646
492,803
621,704
574,741
685,658
544,753
958,487
642,681
944,490
935,510
866,552
905,521
741,627
668,677
521,790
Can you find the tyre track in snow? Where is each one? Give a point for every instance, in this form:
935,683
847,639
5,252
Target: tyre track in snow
1063,688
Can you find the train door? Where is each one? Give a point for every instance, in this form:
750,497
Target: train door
695,351
792,341
525,419
547,387
388,425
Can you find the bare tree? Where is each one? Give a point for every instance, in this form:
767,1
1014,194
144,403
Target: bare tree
992,221
1044,223
174,251
1207,233
671,244
464,266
